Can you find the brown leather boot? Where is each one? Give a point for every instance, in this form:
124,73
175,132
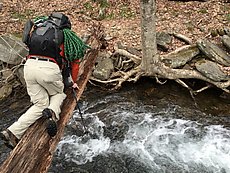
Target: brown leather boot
10,140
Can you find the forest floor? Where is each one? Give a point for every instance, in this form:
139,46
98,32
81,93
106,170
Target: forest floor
121,18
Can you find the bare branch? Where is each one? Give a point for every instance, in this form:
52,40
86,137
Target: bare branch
189,88
158,81
166,72
202,89
104,81
183,38
134,58
128,75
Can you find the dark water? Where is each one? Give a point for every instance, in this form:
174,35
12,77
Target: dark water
142,128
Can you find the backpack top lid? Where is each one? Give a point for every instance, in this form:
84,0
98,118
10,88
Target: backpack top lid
60,20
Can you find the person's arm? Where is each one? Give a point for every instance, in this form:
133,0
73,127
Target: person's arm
75,70
74,73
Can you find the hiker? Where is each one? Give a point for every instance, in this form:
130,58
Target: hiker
54,52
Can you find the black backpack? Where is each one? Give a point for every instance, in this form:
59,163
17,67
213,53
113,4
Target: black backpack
44,35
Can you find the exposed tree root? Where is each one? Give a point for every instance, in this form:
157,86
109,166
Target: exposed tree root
130,76
183,38
161,70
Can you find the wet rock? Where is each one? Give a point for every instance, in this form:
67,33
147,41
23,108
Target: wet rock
12,50
110,164
211,70
116,132
104,67
213,52
166,162
201,167
135,166
62,165
181,56
78,170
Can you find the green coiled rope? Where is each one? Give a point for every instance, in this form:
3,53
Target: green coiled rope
75,48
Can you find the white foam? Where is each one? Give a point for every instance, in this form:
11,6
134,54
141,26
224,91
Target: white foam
79,152
185,144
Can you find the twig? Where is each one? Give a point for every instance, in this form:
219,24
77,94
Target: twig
134,58
190,90
202,89
104,81
158,81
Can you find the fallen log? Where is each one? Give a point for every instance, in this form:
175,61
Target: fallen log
34,152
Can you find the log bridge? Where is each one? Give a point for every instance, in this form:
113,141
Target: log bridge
34,152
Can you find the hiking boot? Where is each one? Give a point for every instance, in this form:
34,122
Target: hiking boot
51,126
10,140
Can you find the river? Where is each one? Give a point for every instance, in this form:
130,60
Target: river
142,128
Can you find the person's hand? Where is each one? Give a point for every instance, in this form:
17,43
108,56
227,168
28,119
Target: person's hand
75,86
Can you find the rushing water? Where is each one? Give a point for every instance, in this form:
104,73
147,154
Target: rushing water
140,130
145,128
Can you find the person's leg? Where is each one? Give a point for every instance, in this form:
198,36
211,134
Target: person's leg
54,86
56,102
53,83
38,95
40,99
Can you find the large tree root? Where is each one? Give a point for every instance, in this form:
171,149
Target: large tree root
130,76
164,71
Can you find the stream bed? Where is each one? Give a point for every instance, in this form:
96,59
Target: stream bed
142,128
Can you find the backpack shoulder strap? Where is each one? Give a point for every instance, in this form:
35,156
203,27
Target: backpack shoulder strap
26,32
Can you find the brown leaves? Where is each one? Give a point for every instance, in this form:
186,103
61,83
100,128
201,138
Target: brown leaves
121,17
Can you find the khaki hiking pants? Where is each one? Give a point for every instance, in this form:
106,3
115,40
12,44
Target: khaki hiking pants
45,88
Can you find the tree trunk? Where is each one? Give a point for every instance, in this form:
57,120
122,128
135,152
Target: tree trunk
148,35
34,152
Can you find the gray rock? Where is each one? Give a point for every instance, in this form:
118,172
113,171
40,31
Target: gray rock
226,41
213,52
104,67
181,56
12,50
5,91
7,74
211,70
134,51
163,40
